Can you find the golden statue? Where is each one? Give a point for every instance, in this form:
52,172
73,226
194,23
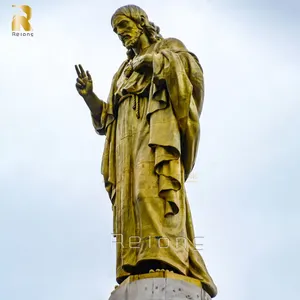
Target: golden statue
151,123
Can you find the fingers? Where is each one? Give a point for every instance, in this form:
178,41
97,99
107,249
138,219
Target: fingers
80,86
138,63
77,71
88,75
84,80
80,81
82,71
136,66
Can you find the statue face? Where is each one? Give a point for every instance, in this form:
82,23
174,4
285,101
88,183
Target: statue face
127,30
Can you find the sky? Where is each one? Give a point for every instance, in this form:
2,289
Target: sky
55,215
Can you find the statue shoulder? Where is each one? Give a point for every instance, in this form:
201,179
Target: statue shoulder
176,45
172,44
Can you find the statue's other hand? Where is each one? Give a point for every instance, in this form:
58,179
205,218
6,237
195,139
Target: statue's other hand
141,62
84,83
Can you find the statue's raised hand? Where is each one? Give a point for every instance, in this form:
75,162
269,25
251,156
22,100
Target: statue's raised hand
84,83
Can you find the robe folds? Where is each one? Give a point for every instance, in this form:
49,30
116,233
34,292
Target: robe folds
152,129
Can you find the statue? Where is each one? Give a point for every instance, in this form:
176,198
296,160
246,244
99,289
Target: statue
151,123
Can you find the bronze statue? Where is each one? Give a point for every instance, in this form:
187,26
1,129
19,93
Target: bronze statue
151,123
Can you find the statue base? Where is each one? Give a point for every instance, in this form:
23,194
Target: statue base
159,286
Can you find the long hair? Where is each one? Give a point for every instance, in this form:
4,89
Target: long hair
138,15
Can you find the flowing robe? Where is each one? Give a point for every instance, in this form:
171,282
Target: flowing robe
151,123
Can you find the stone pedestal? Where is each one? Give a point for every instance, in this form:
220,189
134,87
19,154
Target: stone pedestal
159,286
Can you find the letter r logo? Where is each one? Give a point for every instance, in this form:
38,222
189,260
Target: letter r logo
19,21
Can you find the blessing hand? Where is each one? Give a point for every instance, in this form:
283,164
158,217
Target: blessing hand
84,83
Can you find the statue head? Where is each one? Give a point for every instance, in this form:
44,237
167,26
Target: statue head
130,22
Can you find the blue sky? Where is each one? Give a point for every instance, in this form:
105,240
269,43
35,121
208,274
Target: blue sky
55,215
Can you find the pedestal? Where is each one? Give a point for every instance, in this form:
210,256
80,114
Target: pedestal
159,286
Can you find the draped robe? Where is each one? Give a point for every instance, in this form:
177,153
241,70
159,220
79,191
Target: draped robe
151,123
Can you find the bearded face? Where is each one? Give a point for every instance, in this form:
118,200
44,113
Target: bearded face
127,30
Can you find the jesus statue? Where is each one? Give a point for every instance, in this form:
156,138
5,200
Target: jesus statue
152,130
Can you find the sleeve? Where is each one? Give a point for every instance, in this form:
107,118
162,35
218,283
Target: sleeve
99,121
102,121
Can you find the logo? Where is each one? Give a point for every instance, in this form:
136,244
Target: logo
21,24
